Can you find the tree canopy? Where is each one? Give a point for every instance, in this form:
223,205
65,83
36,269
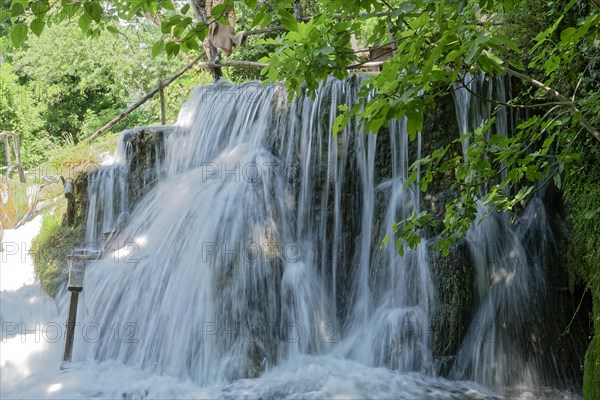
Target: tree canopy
551,48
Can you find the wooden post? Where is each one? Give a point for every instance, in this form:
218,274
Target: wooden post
7,149
17,148
163,113
71,322
77,261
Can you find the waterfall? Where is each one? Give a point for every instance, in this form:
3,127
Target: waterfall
251,253
113,188
507,344
107,195
239,247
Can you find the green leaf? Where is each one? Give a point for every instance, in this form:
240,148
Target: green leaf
112,29
37,26
557,180
414,124
185,9
16,9
494,61
289,22
192,44
93,10
474,47
498,40
386,238
172,49
220,11
257,18
39,8
84,22
157,48
420,21
453,55
566,34
412,178
552,64
525,190
167,5
18,34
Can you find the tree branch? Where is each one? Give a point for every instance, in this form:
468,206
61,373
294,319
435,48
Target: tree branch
571,106
501,103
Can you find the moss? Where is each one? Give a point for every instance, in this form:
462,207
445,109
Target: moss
50,248
591,374
63,227
591,367
581,192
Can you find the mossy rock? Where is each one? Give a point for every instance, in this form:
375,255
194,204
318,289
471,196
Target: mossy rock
50,249
146,153
63,228
453,278
591,372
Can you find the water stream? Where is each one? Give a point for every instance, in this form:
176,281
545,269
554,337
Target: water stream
253,268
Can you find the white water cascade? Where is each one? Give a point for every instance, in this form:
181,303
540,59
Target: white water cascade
238,247
253,268
509,343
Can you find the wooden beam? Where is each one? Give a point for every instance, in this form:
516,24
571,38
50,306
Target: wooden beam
306,19
241,64
144,99
252,64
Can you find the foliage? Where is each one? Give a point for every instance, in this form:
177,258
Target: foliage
437,43
83,84
50,249
581,192
62,86
591,368
18,111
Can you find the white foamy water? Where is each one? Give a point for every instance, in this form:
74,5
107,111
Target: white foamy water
25,311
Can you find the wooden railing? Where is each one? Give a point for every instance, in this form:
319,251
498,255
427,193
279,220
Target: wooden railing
16,146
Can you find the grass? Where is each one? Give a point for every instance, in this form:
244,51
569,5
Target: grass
56,240
71,156
50,248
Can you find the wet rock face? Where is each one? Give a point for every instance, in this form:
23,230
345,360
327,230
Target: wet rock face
452,274
80,199
145,153
453,277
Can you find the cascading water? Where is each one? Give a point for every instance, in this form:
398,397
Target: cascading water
257,255
228,250
108,193
507,343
